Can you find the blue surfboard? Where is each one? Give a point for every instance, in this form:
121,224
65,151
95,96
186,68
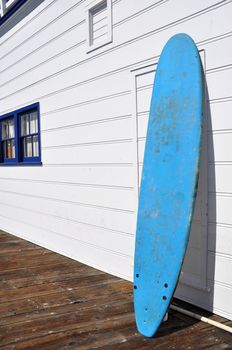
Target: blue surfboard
169,180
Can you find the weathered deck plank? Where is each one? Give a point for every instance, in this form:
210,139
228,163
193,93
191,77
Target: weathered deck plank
48,301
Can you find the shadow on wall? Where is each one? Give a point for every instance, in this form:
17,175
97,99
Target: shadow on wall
203,294
212,204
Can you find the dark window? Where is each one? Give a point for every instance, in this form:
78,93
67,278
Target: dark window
20,136
30,134
13,11
6,5
8,139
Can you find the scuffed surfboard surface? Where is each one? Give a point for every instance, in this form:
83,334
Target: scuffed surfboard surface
169,180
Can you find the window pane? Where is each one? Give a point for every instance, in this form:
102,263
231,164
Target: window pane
27,146
11,127
33,122
4,130
25,124
8,128
35,146
9,151
13,148
4,150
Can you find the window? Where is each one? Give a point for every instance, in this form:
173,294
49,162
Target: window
5,6
20,137
8,139
99,24
13,11
29,134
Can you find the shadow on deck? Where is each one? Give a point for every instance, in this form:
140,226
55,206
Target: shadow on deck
48,301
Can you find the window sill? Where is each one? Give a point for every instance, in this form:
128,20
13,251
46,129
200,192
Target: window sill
22,164
92,48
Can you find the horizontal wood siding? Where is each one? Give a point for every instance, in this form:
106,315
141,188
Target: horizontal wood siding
82,202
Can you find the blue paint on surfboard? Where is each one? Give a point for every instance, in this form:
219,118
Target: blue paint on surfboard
169,180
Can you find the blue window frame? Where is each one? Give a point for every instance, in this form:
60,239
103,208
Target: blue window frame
20,137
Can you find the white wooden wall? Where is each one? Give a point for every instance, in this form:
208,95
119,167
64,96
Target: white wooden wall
82,202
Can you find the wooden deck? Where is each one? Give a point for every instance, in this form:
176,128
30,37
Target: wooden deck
48,301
